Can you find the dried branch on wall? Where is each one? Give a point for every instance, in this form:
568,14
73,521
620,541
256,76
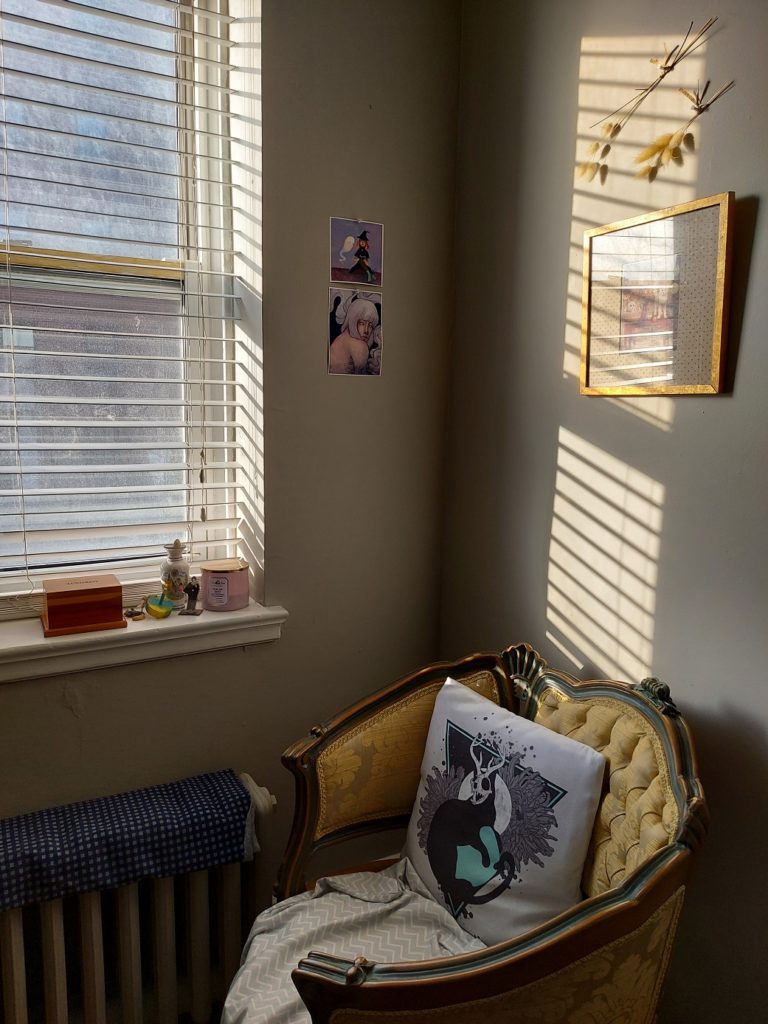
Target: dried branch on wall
667,148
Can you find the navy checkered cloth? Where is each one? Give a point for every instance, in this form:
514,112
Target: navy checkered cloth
97,844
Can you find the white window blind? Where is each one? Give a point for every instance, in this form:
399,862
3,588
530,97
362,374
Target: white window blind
124,409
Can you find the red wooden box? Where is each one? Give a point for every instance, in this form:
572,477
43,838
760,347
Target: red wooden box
82,604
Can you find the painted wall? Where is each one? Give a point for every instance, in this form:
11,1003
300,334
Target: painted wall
352,464
628,537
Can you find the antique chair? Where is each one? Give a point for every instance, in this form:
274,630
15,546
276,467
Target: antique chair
601,961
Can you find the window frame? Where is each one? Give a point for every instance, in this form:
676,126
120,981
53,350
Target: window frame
194,143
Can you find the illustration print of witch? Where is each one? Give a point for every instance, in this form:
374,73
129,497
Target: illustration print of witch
483,818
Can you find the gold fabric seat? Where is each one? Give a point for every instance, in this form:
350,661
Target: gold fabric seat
600,962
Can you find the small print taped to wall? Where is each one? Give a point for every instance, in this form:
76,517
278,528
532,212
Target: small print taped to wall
357,248
354,331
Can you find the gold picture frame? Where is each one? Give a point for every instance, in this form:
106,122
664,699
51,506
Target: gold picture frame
655,301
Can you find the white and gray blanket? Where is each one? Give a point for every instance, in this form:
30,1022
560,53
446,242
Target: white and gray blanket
386,916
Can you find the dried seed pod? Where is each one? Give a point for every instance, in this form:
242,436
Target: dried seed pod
677,156
591,171
648,152
593,147
615,130
607,129
677,138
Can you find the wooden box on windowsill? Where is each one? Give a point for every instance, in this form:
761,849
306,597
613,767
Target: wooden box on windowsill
82,604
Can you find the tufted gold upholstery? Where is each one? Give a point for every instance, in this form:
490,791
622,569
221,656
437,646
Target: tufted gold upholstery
372,770
638,813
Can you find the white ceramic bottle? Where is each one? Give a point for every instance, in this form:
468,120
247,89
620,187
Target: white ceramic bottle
174,573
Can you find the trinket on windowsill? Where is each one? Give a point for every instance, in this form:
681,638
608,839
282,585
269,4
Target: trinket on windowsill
192,589
82,604
158,606
174,573
136,613
225,584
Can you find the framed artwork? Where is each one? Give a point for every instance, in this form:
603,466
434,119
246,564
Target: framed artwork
357,250
655,301
355,337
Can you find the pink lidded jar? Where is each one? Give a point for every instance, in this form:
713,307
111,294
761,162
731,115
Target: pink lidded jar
225,584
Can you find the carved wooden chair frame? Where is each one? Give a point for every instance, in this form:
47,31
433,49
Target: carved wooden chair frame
331,985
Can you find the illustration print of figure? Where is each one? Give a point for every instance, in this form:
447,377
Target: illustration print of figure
361,266
351,351
356,249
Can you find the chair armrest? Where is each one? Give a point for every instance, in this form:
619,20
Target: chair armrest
508,982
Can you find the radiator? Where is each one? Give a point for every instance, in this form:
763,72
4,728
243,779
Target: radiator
158,950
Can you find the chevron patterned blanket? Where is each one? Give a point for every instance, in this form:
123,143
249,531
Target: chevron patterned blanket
385,916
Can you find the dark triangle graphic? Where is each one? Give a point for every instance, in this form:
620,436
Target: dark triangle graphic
457,744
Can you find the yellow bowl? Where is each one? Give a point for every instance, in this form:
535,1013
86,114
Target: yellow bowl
158,606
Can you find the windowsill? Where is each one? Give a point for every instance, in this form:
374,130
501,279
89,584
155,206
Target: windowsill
26,654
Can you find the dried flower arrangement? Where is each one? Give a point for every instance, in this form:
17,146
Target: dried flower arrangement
667,148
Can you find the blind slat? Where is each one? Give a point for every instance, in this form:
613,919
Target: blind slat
70,308
106,491
86,333
97,470
12,256
132,146
37,537
122,356
106,189
61,233
85,556
149,402
93,63
130,46
111,119
133,21
66,307
96,446
71,378
185,7
112,92
113,424
126,510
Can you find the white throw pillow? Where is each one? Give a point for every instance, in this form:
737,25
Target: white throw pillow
503,815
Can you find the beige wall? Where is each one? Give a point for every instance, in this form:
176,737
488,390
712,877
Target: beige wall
684,479
352,465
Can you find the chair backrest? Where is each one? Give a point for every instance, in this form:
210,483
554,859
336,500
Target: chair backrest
651,797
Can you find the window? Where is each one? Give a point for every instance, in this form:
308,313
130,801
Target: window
130,370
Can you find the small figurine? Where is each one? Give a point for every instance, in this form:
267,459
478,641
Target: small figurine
136,613
192,589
